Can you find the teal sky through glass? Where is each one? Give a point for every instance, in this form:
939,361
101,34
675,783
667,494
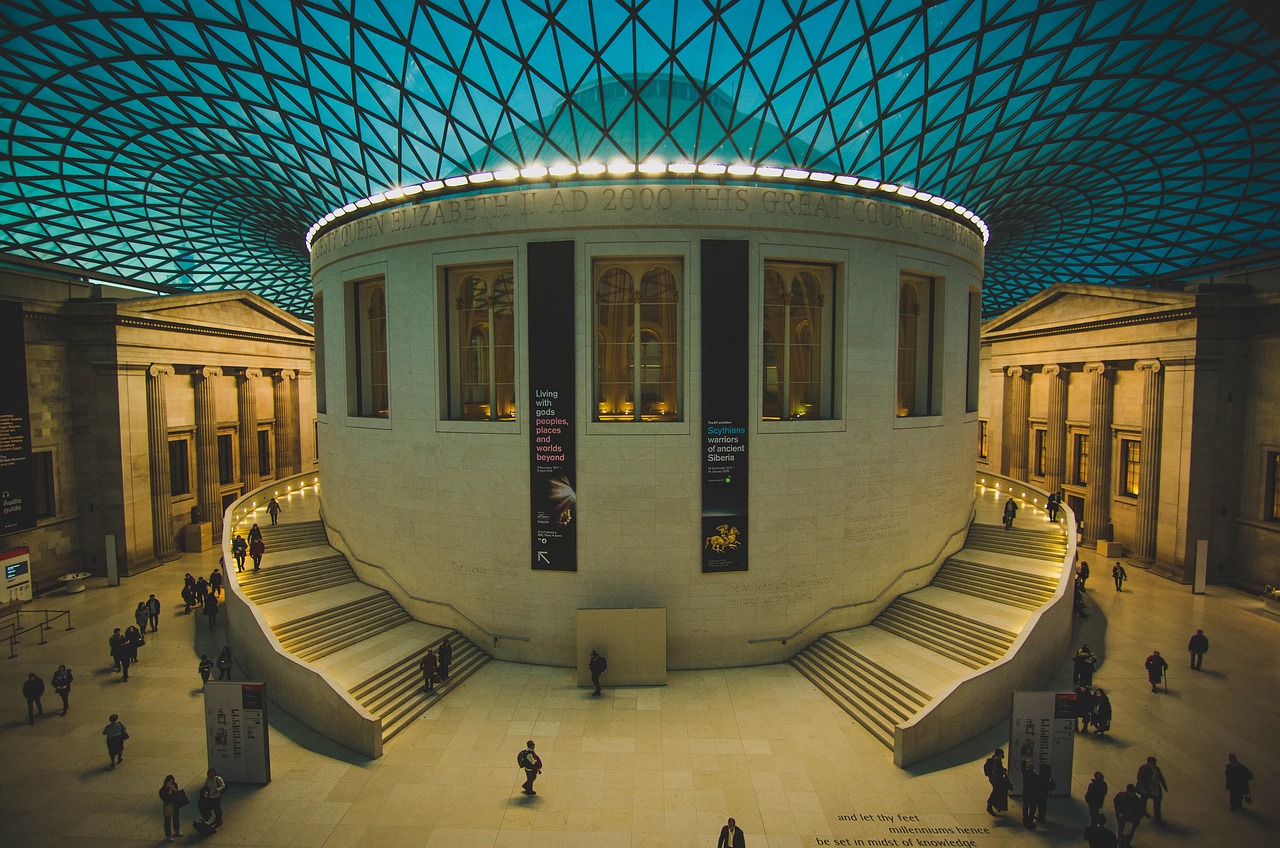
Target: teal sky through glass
192,144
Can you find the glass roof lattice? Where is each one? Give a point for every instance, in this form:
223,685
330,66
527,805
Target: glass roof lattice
191,145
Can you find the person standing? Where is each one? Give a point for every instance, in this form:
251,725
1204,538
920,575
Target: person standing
116,734
141,616
430,666
215,583
116,645
172,800
1082,574
202,591
210,803
1156,667
1151,786
224,663
1119,575
1129,811
1083,665
205,668
33,691
239,550
1238,777
256,549
153,613
1084,708
1030,794
532,765
446,659
273,510
61,681
1198,647
1101,720
1051,506
1046,785
188,592
1095,795
731,836
993,768
1098,835
596,665
1010,513
211,609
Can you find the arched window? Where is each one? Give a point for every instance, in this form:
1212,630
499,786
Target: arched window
637,306
373,389
799,333
480,342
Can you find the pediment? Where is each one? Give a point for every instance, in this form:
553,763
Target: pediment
1068,305
229,311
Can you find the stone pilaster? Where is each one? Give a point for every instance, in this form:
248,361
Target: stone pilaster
1097,509
1144,546
1055,449
209,494
1017,400
162,541
247,412
288,439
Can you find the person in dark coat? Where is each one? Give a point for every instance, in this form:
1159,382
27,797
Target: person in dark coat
596,665
172,799
1098,835
1151,787
1030,794
1084,708
1082,574
224,663
255,532
239,550
61,681
1010,512
1119,575
202,591
1198,646
1129,810
188,592
116,733
273,510
731,836
1156,667
1238,777
1095,796
211,610
215,583
256,549
153,613
1046,786
33,691
118,652
430,666
141,616
1051,506
446,659
1101,719
532,765
998,777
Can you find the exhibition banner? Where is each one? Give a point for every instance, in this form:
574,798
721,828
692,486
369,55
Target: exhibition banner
553,500
235,720
17,472
1042,729
725,394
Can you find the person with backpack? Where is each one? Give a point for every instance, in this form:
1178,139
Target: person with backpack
998,777
532,765
597,665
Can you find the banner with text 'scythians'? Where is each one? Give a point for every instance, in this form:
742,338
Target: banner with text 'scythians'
725,455
553,501
17,474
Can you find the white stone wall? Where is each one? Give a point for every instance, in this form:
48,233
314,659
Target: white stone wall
837,508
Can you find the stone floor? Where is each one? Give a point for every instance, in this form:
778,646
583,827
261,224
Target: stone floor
637,767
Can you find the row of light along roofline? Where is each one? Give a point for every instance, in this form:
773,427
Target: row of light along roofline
595,170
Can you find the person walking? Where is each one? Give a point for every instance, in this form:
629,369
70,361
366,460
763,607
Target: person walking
446,659
224,663
61,681
430,666
1156,668
188,593
1030,794
202,591
1082,574
1151,787
153,613
731,836
532,765
993,768
1128,809
1051,506
210,803
1084,708
172,800
255,532
1238,777
273,510
239,550
116,734
1119,575
1095,796
211,610
1198,646
1010,513
205,668
256,549
115,644
1101,719
33,691
1098,835
141,616
215,583
596,665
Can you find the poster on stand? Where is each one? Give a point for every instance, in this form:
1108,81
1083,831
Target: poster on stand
235,723
1042,729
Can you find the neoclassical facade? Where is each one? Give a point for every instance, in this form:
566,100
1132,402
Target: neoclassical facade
149,414
1153,412
727,402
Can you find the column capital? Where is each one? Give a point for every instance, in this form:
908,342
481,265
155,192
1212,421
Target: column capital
160,371
1152,365
1097,368
1016,371
251,373
286,374
1057,370
208,372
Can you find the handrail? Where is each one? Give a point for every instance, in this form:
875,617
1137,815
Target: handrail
351,555
42,626
784,639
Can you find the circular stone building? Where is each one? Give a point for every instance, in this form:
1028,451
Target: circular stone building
749,404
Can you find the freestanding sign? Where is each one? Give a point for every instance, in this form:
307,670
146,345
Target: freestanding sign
235,723
17,474
725,323
1042,729
553,498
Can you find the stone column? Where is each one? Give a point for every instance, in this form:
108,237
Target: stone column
288,455
1055,449
162,544
1017,407
247,412
1144,544
1097,509
209,494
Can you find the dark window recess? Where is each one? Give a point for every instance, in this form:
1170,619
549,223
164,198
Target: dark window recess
226,459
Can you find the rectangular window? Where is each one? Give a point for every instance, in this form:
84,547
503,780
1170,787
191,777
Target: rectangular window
1038,451
373,396
799,333
1080,458
46,500
179,466
226,458
317,318
480,342
637,330
984,439
264,452
972,375
1131,459
919,345
1272,512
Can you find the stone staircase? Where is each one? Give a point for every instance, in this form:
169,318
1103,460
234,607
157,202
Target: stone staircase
298,577
883,674
286,537
317,635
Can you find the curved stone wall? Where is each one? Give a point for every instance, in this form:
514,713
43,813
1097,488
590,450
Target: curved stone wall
842,497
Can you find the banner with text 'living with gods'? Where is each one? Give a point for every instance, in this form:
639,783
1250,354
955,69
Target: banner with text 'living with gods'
237,730
725,392
17,474
553,499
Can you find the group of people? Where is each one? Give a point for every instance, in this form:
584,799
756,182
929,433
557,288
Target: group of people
224,662
173,798
1037,785
254,547
202,593
33,691
123,648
